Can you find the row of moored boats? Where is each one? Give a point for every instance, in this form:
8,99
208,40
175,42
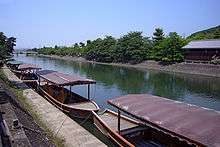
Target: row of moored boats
56,87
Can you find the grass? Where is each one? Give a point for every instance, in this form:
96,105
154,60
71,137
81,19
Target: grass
58,141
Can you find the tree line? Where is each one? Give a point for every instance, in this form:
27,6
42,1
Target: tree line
132,47
6,46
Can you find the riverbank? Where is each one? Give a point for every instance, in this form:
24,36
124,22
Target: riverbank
30,131
60,128
185,68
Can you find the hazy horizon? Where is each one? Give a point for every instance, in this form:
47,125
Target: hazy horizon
48,23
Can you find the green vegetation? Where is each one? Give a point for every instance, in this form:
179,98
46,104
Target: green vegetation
19,95
168,49
130,48
6,46
133,47
211,33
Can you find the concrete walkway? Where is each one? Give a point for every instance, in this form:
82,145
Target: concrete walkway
57,121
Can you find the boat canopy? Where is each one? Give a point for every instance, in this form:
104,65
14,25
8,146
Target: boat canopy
62,79
195,124
14,62
28,67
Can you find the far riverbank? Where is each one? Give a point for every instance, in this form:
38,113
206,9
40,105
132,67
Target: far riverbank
185,68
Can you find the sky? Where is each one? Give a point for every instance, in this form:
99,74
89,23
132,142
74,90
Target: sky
38,23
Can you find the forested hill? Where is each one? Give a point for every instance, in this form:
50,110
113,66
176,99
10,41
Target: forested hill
211,33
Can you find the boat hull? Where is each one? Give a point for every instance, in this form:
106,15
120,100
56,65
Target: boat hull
109,132
72,111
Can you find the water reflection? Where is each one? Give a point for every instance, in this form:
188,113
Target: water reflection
113,81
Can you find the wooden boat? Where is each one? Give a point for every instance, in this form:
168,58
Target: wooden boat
132,133
164,121
26,72
52,86
107,123
13,65
125,131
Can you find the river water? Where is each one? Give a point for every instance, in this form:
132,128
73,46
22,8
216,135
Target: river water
114,81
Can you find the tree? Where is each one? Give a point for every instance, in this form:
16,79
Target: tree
148,46
216,35
106,49
81,44
101,50
88,42
158,35
6,46
130,48
76,45
171,48
2,38
93,49
10,43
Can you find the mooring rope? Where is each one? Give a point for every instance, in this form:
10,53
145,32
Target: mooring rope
61,126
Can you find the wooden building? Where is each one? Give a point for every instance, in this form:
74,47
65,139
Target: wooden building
202,50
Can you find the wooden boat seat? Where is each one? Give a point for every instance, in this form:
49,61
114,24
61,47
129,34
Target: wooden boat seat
112,121
84,105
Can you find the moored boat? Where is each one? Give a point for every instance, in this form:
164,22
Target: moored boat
165,121
52,86
13,65
157,121
107,123
26,72
133,133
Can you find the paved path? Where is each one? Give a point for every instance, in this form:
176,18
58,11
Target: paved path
74,134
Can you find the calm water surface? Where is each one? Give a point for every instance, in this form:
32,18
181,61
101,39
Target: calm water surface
113,81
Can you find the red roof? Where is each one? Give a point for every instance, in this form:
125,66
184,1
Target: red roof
196,124
63,79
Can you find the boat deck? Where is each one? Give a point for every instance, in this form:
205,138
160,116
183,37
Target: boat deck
84,105
112,121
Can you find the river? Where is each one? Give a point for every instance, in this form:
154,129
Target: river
114,81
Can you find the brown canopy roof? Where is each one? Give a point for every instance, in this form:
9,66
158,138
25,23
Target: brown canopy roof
63,79
203,44
28,67
196,124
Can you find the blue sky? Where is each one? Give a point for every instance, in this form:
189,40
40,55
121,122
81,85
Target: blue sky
37,23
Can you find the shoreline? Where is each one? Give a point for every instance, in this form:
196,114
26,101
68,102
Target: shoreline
182,68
